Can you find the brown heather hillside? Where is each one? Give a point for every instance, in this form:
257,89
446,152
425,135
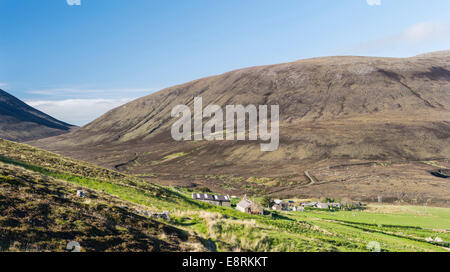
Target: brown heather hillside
39,213
20,122
40,210
334,111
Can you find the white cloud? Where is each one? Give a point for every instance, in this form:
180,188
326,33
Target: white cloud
373,2
415,39
73,2
2,84
85,93
77,111
80,105
425,31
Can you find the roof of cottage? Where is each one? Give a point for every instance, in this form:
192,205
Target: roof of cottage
210,197
245,203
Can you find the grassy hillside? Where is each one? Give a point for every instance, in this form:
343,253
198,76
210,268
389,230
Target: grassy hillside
40,211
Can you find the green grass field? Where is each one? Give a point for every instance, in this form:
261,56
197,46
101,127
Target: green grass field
409,216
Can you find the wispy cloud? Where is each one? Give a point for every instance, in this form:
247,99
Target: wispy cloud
373,2
420,37
2,84
77,111
86,93
81,105
73,2
425,31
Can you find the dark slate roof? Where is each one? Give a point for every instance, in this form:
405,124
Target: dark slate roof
221,198
210,197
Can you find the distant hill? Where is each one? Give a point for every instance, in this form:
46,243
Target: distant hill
21,122
333,111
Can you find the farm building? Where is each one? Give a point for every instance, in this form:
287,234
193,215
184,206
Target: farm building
298,209
320,205
284,205
277,207
336,205
219,200
309,205
323,205
250,207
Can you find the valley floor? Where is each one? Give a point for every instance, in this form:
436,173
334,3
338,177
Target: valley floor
40,211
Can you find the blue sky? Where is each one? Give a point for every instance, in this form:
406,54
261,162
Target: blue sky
75,62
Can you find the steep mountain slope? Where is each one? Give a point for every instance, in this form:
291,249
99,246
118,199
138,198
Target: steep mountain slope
333,111
20,122
308,90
